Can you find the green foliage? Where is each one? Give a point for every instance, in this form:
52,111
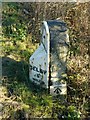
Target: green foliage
20,25
14,27
40,104
73,113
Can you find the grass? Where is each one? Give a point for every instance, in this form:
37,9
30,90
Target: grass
21,98
21,93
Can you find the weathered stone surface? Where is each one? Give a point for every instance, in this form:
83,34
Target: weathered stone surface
59,41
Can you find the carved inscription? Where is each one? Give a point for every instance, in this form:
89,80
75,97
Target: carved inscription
38,76
39,70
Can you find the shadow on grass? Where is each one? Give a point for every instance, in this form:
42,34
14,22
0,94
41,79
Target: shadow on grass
16,74
30,97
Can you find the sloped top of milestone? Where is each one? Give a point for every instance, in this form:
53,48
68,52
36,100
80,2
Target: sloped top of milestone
57,25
